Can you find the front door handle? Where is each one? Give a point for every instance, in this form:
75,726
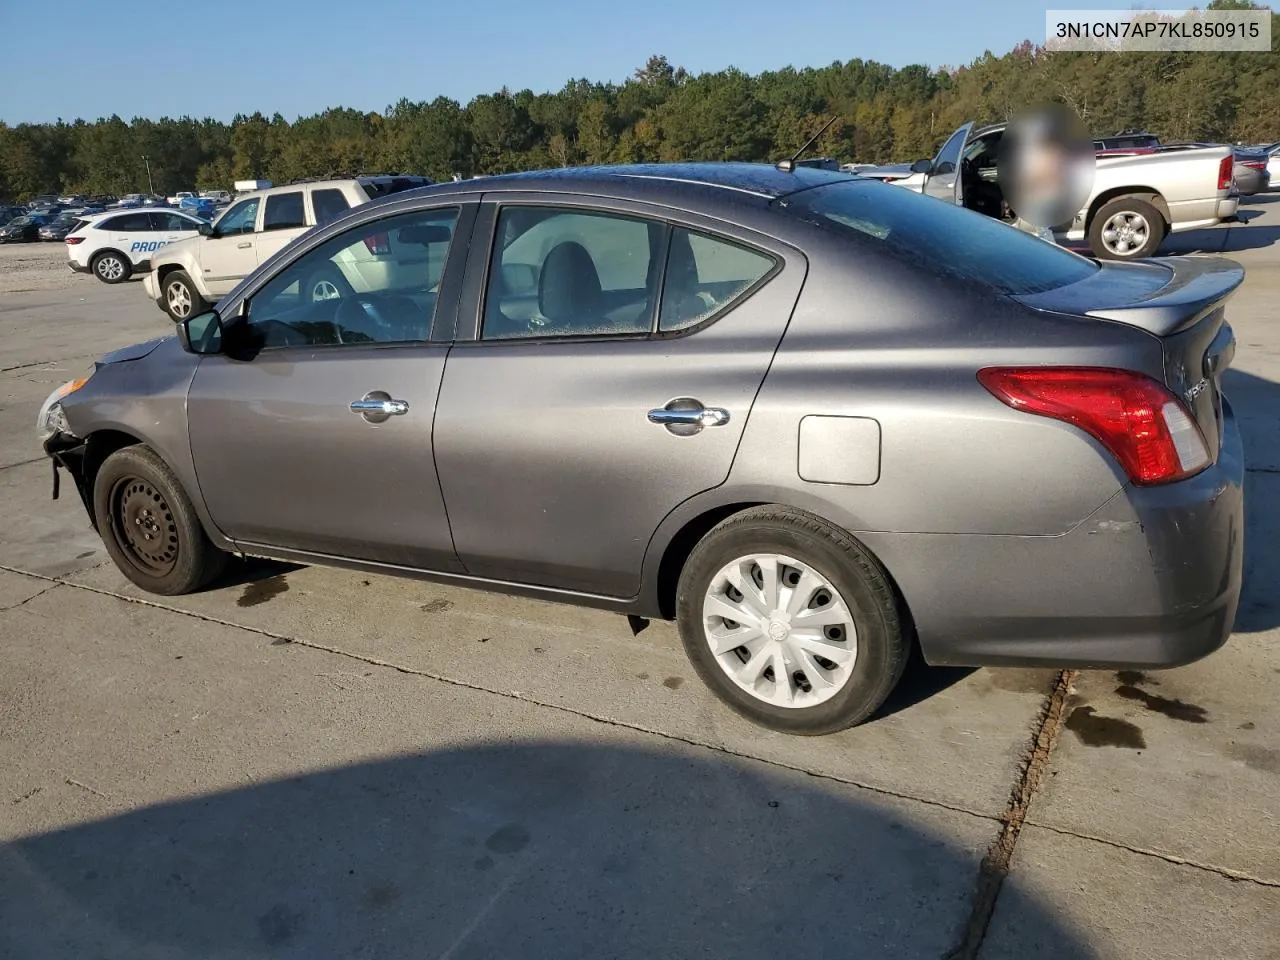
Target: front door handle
685,416
243,246
377,406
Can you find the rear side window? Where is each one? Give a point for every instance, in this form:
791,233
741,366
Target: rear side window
940,236
173,222
328,204
284,212
704,275
129,223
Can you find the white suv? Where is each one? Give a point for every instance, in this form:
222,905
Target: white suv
118,243
191,275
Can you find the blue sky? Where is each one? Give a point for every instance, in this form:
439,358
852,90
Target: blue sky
300,56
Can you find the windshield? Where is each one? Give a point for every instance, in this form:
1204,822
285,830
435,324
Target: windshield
940,235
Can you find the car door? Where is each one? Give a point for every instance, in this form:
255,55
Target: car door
132,234
943,180
284,219
578,407
230,254
312,432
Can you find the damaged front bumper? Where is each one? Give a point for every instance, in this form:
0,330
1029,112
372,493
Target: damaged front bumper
67,452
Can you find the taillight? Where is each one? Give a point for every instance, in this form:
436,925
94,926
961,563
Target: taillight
1255,164
378,243
1224,173
1139,420
74,240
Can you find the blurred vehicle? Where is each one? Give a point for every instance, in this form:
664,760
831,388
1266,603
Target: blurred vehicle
116,244
217,196
177,198
190,275
127,202
9,211
1135,202
25,229
72,199
42,201
197,206
59,226
832,421
819,163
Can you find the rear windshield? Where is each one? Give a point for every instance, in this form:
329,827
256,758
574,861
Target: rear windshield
941,236
385,186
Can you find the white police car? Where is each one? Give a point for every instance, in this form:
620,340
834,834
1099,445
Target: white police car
115,244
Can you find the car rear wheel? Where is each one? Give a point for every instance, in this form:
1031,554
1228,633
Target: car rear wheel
1126,229
180,296
791,622
112,267
149,526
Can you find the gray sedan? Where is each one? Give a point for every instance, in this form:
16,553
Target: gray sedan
781,406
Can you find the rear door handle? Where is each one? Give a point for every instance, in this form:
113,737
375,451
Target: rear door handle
243,246
685,416
377,406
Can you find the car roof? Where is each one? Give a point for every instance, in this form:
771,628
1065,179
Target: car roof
125,211
660,182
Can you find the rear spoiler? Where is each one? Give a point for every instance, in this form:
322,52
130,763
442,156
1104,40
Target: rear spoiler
1199,285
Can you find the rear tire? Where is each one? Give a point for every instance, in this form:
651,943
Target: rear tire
180,297
149,527
832,621
111,267
1126,228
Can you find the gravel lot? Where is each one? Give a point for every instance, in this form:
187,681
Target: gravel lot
310,763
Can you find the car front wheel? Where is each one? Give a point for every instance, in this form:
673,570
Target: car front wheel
149,526
180,296
791,622
112,267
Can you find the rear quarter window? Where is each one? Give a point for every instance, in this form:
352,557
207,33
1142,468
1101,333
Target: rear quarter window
940,236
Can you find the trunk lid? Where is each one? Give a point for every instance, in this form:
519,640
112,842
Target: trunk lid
1181,301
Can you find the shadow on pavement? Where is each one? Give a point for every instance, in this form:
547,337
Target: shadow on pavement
1256,402
552,850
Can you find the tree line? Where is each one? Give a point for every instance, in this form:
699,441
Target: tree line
661,113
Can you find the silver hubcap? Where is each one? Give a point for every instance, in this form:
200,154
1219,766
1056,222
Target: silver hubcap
109,268
324,290
179,299
780,630
1125,232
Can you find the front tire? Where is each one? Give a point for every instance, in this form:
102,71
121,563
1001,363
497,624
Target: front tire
791,622
112,267
1126,228
180,297
149,527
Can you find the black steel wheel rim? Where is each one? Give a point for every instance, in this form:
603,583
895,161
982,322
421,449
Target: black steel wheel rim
143,526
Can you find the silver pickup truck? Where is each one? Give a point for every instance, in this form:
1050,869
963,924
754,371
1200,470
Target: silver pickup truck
1136,201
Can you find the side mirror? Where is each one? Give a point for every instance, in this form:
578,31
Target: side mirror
201,334
922,166
206,229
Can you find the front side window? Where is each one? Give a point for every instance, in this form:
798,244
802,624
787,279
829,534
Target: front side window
560,273
376,283
284,212
704,276
240,218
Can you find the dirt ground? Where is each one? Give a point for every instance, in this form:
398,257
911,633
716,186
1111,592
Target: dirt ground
37,266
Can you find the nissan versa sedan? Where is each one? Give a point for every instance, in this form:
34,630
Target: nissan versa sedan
813,419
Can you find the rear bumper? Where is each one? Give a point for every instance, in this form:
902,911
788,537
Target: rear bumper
79,267
1152,579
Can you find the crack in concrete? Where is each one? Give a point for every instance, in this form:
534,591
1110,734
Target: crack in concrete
995,865
515,695
23,463
1227,873
15,606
